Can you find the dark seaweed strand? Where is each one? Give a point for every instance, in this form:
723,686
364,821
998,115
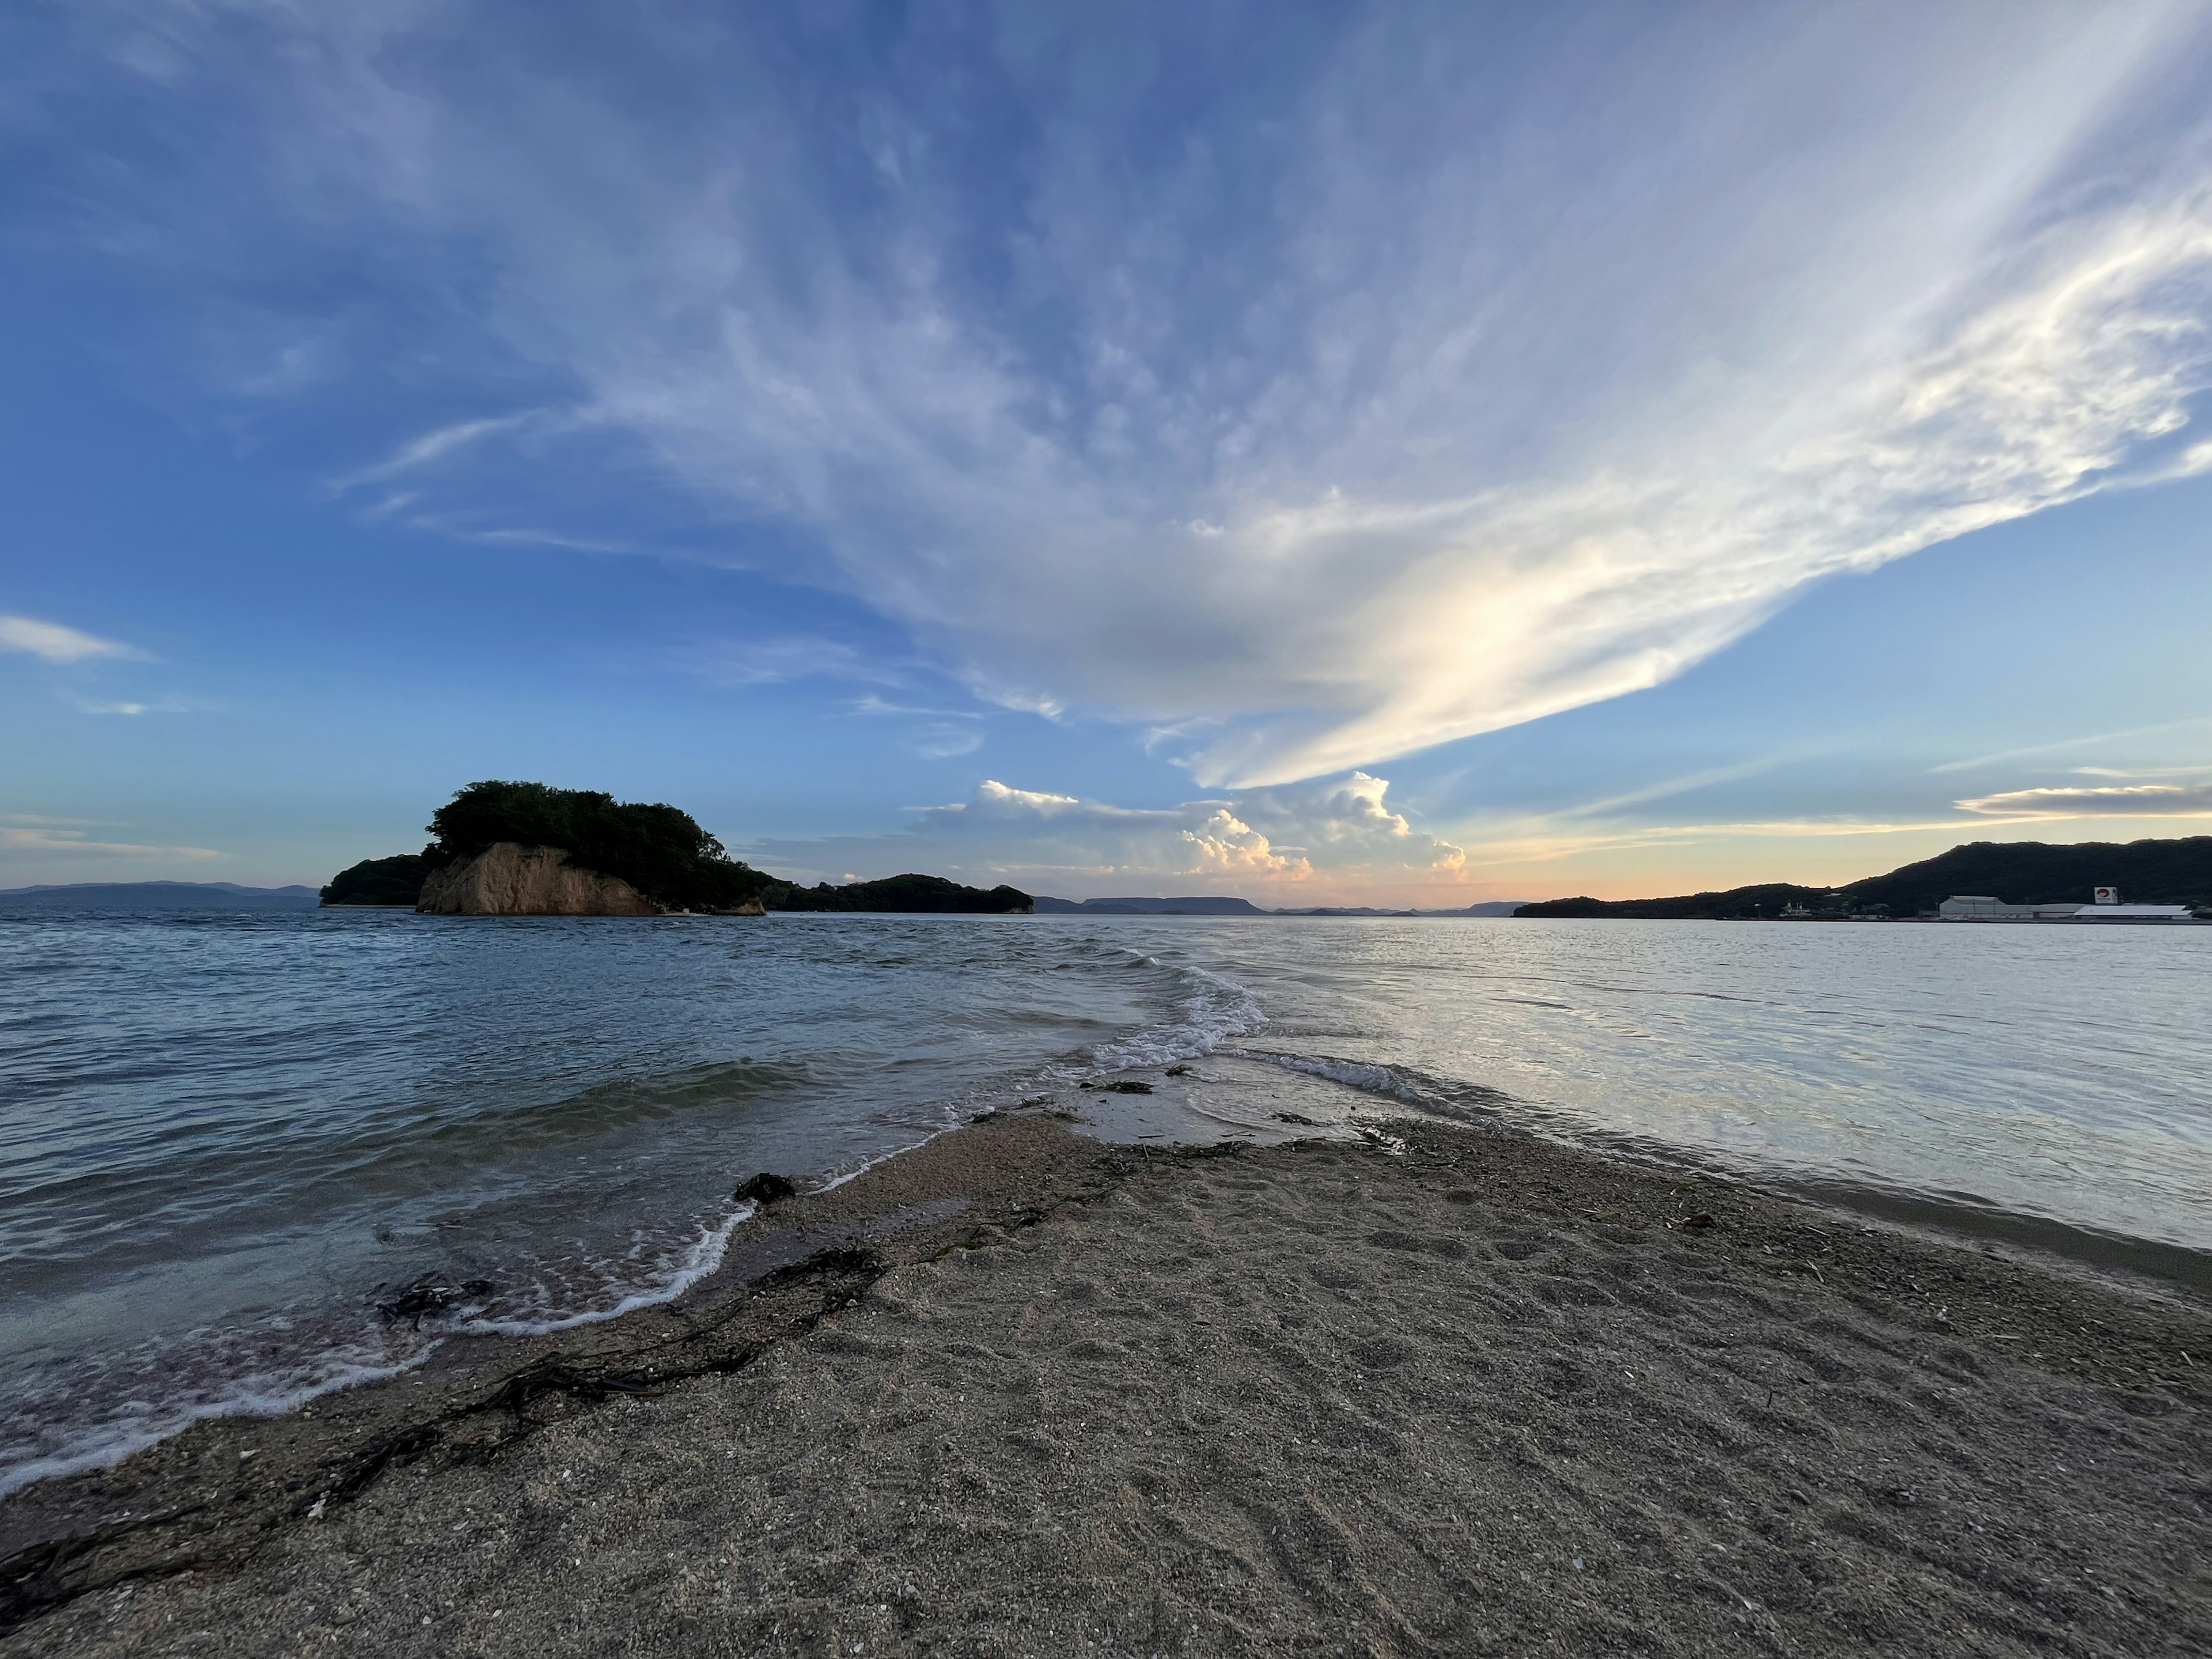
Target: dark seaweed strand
51,1574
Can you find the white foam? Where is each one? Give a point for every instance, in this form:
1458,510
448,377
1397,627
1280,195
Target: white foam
109,1444
1368,1076
1211,1009
1462,1101
866,1164
703,1257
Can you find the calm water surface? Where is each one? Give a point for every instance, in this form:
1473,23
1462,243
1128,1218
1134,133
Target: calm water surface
229,1133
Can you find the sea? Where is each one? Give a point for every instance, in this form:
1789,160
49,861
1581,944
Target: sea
229,1135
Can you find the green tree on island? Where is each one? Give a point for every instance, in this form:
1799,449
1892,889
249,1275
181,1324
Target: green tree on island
659,849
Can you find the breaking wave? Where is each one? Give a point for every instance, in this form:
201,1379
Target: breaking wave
1209,1010
1465,1103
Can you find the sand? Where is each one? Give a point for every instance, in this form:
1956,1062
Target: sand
1022,1392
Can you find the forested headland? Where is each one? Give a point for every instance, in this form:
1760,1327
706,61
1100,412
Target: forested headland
2173,870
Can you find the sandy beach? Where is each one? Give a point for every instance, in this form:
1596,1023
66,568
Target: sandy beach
1025,1391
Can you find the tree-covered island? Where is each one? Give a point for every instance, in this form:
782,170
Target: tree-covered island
659,850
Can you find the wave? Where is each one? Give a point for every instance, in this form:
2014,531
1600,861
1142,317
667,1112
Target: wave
1465,1103
700,1260
1210,1010
108,1443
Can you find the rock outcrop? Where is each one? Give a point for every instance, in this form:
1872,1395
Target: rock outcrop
506,879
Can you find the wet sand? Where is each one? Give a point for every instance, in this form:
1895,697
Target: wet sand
1022,1392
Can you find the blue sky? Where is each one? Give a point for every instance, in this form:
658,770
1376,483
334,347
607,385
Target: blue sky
1324,453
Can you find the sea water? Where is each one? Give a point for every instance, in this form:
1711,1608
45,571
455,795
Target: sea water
229,1135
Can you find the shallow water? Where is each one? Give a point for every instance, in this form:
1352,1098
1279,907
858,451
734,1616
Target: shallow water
229,1134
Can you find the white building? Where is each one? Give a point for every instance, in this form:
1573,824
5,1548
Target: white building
2105,907
2116,912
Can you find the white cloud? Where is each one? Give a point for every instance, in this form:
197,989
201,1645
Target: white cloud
129,709
1297,843
2162,728
1433,404
942,740
432,446
43,839
2131,800
872,704
51,642
507,536
786,657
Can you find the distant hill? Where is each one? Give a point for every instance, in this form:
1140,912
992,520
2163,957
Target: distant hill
2178,870
908,895
1495,908
1149,907
158,896
2170,872
1237,907
1769,899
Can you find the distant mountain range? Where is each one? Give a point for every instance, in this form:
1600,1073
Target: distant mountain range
2178,870
158,896
1237,907
2175,871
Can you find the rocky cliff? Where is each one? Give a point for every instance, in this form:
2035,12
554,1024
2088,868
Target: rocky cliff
506,879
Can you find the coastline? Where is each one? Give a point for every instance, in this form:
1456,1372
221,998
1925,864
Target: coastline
1020,1387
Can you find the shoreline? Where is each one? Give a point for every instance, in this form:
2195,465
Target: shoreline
177,1532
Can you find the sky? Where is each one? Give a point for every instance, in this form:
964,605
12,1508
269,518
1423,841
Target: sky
1331,454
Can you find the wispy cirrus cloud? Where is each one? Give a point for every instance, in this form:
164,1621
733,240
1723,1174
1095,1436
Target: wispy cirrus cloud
942,740
2135,800
873,705
1308,417
434,445
2061,744
54,643
22,834
775,659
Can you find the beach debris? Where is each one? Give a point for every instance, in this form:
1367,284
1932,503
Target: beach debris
1691,1224
1292,1118
520,1390
1126,1085
764,1189
429,1294
852,1260
1178,1070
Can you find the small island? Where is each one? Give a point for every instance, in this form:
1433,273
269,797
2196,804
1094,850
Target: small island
510,848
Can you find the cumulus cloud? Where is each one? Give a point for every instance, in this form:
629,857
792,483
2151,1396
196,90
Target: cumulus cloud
1297,843
51,642
2138,801
1429,382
